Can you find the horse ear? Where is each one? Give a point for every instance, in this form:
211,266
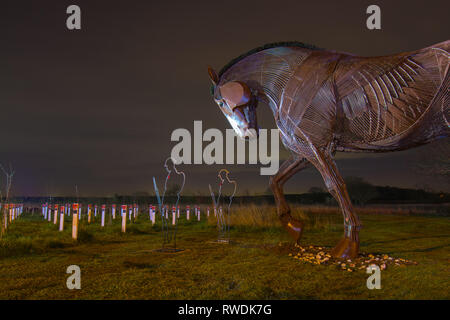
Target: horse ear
236,93
213,76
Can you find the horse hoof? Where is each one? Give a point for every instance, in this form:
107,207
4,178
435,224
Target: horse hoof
295,229
346,249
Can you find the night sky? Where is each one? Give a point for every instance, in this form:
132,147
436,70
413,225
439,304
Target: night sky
96,107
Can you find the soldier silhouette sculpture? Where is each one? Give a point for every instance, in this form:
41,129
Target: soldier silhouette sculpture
223,219
169,234
325,101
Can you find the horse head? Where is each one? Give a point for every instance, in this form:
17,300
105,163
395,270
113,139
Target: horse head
237,102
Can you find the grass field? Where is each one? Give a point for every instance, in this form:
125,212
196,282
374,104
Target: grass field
34,257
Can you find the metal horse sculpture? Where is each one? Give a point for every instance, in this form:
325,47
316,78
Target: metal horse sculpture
326,101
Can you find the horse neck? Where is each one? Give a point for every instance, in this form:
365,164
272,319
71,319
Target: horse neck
268,72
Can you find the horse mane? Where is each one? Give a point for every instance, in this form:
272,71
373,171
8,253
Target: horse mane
265,47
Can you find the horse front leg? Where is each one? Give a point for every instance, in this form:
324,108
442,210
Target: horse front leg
348,246
286,171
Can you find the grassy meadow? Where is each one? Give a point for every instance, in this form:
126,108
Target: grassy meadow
34,256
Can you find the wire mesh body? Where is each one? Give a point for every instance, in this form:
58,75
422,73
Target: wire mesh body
325,101
357,103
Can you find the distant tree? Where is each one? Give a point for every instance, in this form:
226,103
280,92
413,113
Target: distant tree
141,194
435,161
316,190
360,191
173,190
118,198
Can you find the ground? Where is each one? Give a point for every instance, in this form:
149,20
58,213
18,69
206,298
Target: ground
256,265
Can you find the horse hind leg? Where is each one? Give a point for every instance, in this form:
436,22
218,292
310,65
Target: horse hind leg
287,170
348,246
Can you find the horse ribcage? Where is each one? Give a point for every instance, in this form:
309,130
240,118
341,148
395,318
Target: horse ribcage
389,95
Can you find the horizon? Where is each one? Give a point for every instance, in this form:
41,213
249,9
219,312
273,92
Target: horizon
140,194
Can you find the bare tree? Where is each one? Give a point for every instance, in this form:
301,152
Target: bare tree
4,200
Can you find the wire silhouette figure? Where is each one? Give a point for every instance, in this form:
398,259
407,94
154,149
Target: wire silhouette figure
169,235
223,220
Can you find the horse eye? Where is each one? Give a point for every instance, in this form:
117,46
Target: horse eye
221,104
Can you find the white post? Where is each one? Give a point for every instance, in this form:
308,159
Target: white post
103,214
153,214
79,212
95,210
173,215
113,210
49,215
61,218
207,212
89,212
130,211
75,221
124,217
135,211
55,214
187,212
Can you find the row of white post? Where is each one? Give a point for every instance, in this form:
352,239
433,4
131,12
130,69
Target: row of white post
12,212
132,212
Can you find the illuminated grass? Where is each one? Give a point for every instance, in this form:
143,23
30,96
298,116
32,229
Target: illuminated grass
34,257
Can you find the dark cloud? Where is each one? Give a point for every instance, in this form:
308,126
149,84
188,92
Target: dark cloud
96,107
